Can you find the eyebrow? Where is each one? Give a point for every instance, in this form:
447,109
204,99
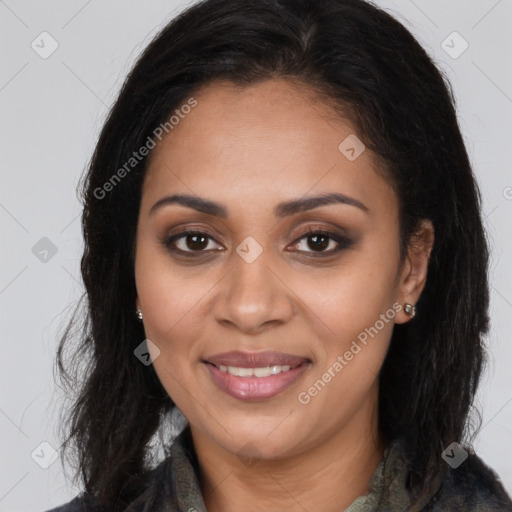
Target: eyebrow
284,209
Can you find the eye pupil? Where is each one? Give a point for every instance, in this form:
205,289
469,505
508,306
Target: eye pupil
195,245
317,244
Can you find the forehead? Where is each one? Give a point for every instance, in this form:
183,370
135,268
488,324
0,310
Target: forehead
250,142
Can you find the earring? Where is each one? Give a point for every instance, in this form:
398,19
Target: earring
410,310
139,314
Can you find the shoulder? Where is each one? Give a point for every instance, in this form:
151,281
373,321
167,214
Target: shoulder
473,486
157,486
155,483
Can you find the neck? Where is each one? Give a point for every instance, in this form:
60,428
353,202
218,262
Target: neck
326,478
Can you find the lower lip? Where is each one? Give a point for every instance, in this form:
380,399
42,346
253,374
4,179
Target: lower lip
255,388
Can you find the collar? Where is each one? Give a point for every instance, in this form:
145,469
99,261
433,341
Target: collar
174,484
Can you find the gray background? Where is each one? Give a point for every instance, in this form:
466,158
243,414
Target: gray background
51,113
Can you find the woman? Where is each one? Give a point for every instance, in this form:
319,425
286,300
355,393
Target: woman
284,244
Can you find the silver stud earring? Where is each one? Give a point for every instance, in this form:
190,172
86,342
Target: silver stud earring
410,310
139,314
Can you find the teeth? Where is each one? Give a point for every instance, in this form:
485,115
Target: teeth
267,371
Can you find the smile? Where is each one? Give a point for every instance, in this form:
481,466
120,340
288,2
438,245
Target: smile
258,383
265,371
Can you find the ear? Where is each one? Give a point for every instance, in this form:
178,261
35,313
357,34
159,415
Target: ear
413,275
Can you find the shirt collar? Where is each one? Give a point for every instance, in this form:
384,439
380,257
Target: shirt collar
174,484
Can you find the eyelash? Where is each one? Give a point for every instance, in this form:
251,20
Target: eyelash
343,242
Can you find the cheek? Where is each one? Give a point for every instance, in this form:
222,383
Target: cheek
167,293
357,325
353,295
171,306
356,309
176,303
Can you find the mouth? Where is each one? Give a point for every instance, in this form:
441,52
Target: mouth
255,360
262,371
257,375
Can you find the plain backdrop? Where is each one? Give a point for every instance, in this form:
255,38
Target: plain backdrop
51,112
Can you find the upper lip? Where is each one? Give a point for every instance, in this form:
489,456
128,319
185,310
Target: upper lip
255,359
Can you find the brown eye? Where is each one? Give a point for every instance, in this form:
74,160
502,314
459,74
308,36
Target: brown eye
196,242
318,241
188,242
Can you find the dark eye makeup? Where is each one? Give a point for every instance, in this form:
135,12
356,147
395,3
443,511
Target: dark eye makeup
196,243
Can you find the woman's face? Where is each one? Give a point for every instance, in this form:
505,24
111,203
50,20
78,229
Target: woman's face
254,160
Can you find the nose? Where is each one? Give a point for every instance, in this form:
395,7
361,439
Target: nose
253,297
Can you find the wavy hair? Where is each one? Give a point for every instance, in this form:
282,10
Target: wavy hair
371,70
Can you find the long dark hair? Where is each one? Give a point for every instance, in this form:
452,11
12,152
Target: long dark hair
371,70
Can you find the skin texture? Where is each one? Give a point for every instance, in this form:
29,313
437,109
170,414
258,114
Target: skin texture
251,148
